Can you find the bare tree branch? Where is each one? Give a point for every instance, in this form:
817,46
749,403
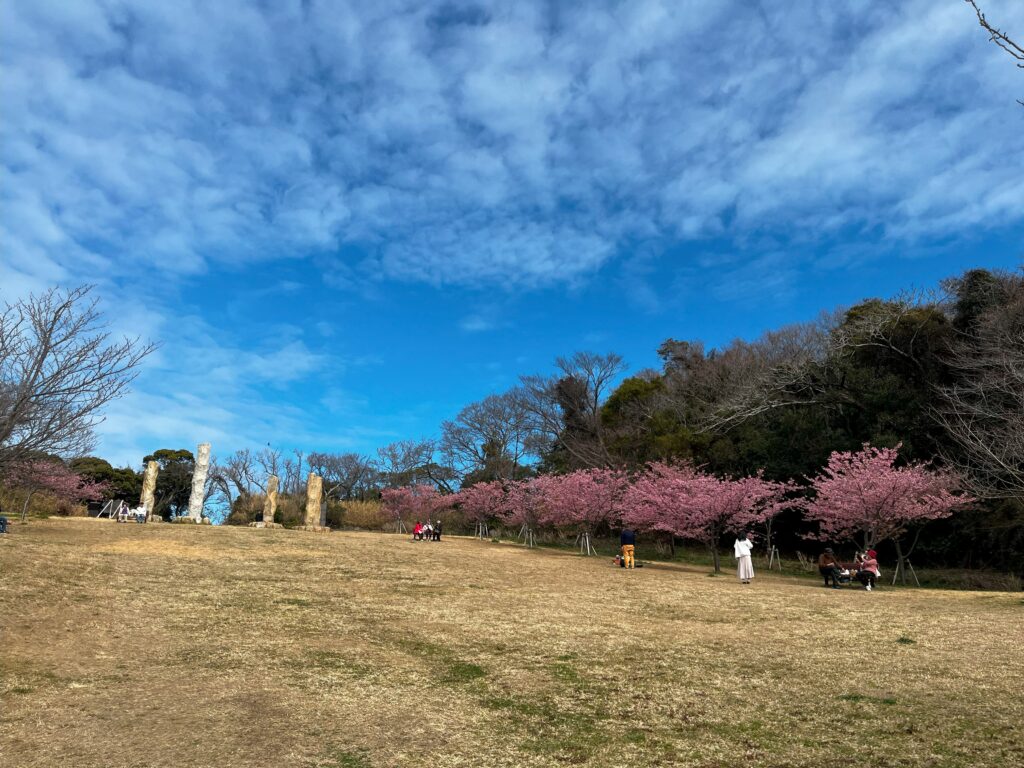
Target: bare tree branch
1000,38
983,410
565,409
58,369
492,436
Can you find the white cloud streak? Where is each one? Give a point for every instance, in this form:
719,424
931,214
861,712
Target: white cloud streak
480,144
145,144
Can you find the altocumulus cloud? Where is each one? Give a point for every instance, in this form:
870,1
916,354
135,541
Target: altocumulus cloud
513,144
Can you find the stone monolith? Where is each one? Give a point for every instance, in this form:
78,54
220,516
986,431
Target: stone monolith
148,499
195,501
314,493
270,502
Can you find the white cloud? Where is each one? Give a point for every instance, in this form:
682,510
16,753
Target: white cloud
509,145
145,145
477,324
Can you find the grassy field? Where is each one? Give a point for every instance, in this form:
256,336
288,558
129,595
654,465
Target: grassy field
130,645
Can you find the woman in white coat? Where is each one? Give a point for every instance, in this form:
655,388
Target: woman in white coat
744,566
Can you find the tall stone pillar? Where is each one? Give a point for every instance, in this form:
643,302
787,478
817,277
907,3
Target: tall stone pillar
270,506
270,502
148,499
195,501
314,494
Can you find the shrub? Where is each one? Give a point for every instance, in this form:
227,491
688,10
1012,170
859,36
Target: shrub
245,510
367,515
291,511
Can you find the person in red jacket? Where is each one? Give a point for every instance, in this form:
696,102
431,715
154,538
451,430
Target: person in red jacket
868,570
417,531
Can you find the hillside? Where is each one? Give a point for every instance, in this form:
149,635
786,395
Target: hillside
131,645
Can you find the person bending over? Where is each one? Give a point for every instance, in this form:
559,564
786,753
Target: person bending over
627,539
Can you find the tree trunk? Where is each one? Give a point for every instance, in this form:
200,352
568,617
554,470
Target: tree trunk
901,565
24,508
903,557
716,559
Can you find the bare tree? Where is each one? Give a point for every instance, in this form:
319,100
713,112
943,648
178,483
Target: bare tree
58,369
408,461
782,369
999,38
294,480
564,410
269,460
346,475
492,436
238,476
983,411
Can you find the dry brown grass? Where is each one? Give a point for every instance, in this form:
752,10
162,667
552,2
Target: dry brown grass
130,645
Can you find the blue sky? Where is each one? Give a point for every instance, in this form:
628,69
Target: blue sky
346,221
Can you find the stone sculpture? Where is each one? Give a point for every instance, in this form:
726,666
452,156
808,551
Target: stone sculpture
148,499
195,501
270,503
314,512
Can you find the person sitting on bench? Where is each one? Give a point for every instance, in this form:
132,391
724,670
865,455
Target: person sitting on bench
868,571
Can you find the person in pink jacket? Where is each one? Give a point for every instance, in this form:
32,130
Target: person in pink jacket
868,571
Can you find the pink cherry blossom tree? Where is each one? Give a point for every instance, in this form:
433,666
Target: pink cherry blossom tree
581,501
524,507
53,477
864,493
733,505
659,499
418,501
482,503
681,500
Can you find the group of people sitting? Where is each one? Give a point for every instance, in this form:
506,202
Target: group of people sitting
426,532
134,514
864,569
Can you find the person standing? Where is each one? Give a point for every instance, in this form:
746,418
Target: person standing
744,565
627,540
828,567
437,531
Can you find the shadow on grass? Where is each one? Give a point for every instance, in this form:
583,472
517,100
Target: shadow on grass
858,698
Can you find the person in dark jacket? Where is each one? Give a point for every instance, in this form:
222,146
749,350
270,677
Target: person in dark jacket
828,567
628,542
